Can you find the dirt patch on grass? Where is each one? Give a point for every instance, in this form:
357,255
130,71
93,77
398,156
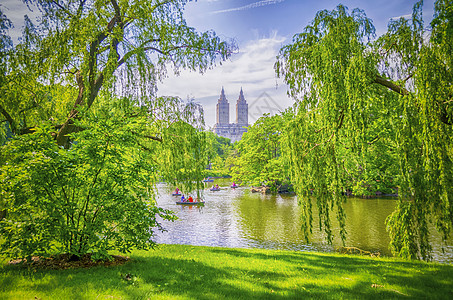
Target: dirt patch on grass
66,261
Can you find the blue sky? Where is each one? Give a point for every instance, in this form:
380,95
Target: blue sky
260,28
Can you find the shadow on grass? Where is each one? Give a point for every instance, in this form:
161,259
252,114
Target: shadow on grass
215,273
149,277
420,279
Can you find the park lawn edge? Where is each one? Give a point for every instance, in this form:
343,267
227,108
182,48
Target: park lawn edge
201,272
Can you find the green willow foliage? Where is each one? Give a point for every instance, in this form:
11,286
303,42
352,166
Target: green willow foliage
97,195
184,150
123,46
381,110
90,137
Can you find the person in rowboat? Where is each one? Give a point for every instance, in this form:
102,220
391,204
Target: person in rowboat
190,199
183,199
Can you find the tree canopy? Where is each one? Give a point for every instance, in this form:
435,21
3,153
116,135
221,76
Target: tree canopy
87,136
220,152
260,160
122,46
375,108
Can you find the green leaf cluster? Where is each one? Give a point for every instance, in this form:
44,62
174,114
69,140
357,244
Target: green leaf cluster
84,137
260,160
373,115
221,155
97,195
93,197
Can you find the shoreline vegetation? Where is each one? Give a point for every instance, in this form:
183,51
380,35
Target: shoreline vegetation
289,189
199,272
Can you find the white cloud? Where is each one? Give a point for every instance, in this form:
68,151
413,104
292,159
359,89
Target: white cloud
249,6
408,16
15,11
252,69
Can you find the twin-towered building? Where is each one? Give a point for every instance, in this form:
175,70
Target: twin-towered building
223,127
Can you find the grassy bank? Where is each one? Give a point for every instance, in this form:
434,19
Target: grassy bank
188,272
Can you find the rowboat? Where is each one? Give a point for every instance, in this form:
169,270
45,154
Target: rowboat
234,186
215,189
208,180
174,194
190,203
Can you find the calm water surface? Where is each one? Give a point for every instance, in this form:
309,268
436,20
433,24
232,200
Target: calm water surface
241,219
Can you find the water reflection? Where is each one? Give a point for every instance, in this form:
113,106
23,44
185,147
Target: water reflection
239,218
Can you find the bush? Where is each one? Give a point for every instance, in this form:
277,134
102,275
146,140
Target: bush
94,197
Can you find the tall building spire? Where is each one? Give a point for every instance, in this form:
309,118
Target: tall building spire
242,110
223,109
241,96
222,96
223,127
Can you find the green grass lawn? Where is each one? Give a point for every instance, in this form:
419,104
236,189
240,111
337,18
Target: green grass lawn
189,272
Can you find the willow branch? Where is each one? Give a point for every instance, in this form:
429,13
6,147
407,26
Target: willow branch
136,50
408,77
151,137
396,88
117,9
158,4
62,8
80,9
341,119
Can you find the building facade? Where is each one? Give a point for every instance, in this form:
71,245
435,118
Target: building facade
223,127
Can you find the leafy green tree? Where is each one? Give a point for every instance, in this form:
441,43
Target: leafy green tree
93,45
371,170
347,86
90,138
260,160
97,195
220,149
219,144
90,198
230,156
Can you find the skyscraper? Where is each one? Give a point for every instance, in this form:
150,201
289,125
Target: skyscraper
223,127
223,109
242,111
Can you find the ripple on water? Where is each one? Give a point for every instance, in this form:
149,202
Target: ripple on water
240,219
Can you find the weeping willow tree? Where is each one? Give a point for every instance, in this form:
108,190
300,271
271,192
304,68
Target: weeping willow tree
359,98
96,45
120,49
89,139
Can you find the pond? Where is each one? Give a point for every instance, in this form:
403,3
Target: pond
241,219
